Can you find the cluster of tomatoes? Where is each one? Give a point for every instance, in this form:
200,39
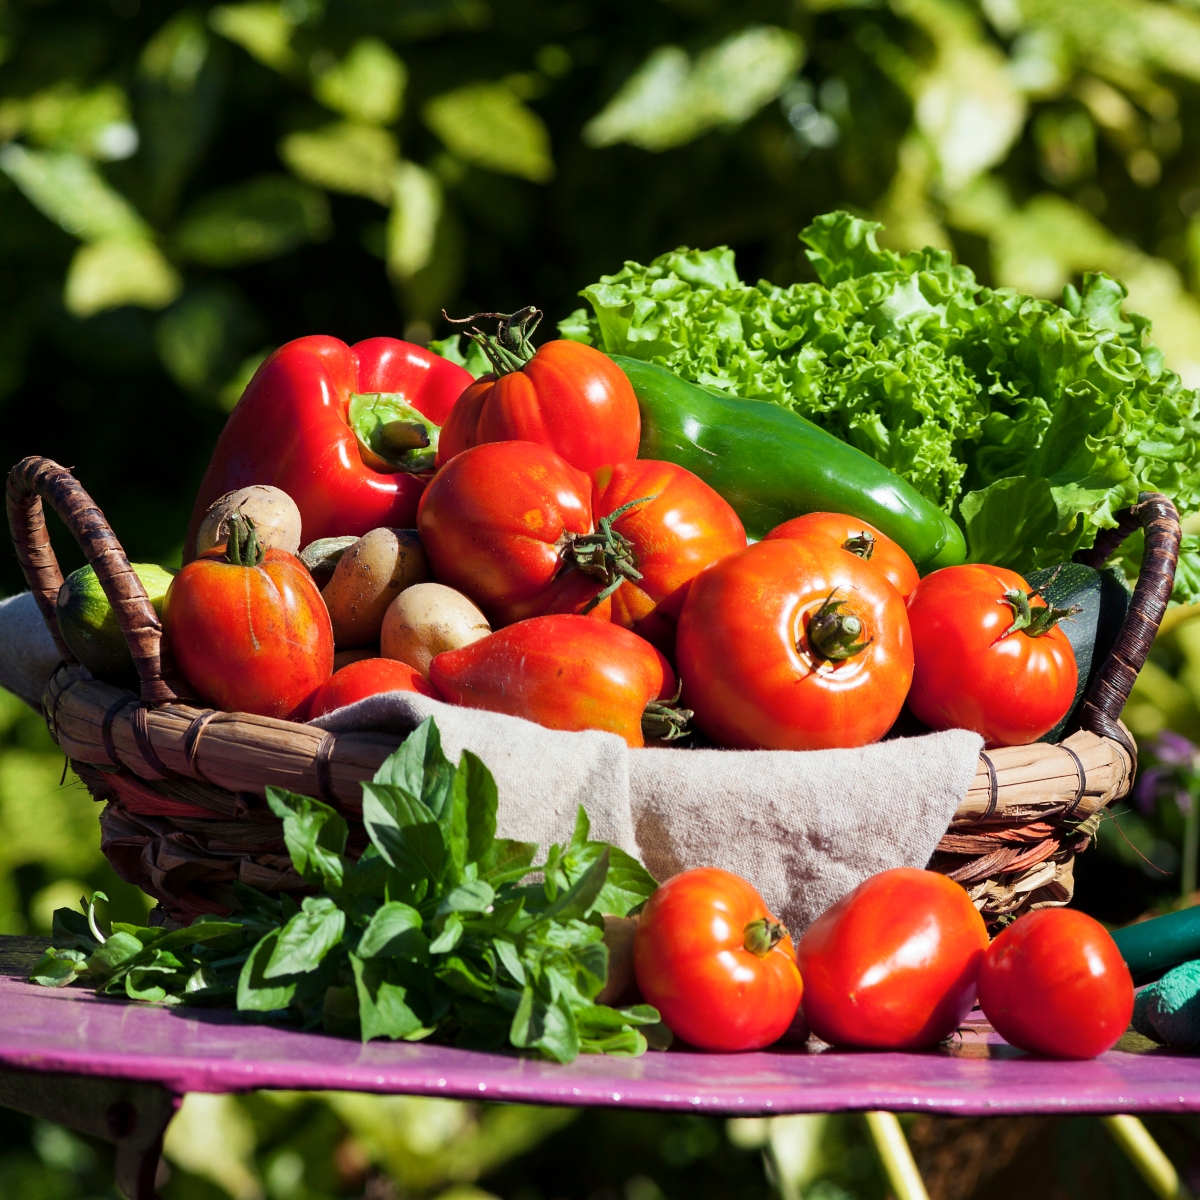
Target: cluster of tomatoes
896,964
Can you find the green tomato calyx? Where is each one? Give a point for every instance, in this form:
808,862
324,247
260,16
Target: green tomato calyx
1034,622
834,634
511,346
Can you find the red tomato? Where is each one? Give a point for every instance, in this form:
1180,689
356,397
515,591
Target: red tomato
715,963
562,671
492,522
1055,983
977,668
892,965
249,631
683,527
793,646
856,537
567,396
367,677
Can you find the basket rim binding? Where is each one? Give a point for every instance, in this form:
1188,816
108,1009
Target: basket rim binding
1019,839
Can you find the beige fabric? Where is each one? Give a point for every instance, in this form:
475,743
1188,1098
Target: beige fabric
28,655
803,828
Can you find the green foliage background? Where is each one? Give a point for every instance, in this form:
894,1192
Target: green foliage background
185,186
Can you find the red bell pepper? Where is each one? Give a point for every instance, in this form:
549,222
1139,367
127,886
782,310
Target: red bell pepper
292,429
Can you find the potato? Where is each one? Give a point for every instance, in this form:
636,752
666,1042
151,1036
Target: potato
274,513
427,619
367,578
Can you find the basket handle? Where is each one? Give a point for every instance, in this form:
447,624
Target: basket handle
1105,699
34,479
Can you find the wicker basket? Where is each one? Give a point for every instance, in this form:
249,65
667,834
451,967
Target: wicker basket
185,816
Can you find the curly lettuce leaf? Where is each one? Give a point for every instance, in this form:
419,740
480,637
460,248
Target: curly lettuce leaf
1030,422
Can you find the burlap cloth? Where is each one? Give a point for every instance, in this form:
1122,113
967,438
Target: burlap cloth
804,828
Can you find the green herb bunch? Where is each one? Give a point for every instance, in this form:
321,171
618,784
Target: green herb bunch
431,931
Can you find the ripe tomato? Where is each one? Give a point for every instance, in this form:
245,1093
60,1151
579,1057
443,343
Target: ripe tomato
893,964
562,671
248,628
793,646
986,659
493,520
856,537
715,963
683,527
567,396
1055,983
367,677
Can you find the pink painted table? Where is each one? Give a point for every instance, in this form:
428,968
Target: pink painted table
154,1052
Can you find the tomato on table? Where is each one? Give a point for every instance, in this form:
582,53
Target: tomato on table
793,645
248,628
367,677
566,395
715,963
1055,983
565,672
893,964
988,658
858,538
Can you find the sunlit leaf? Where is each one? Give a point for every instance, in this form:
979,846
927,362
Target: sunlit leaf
95,123
669,100
203,339
71,191
116,271
176,54
412,224
261,218
367,85
486,125
264,31
344,156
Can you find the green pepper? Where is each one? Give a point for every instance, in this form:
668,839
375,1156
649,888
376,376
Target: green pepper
772,465
1151,948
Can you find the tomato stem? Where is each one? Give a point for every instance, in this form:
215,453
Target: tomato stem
834,635
1034,622
664,720
762,936
243,548
605,555
510,348
862,545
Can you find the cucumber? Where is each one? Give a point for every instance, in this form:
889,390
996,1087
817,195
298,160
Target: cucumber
89,626
1104,600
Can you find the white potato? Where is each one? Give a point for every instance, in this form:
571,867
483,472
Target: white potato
368,577
426,620
274,513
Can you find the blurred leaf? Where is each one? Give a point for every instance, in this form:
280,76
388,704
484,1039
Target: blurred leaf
232,391
412,224
344,156
69,190
487,126
669,101
214,1138
251,221
203,339
94,123
367,85
177,53
264,31
116,271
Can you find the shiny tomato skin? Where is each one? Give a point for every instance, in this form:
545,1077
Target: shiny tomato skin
1054,983
691,963
569,397
968,675
684,528
490,523
367,677
561,671
893,964
250,639
886,556
748,670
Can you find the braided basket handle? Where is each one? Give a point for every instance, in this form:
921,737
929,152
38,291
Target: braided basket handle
1105,699
34,479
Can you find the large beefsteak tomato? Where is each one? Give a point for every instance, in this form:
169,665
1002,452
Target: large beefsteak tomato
793,645
893,964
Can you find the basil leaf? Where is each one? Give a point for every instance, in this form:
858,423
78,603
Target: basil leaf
482,799
507,860
71,931
383,1010
394,931
121,948
420,768
57,968
254,992
315,836
580,897
449,937
404,830
305,940
546,1025
473,897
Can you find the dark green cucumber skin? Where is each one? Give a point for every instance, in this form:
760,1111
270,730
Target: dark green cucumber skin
1151,948
1091,632
771,465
